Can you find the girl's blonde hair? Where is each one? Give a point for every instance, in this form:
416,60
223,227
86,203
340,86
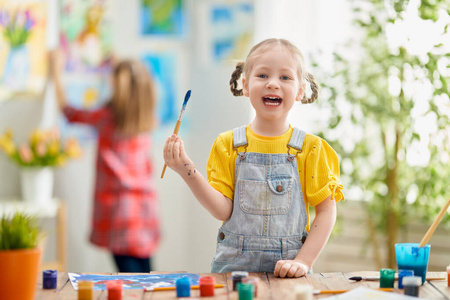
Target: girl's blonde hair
133,99
258,49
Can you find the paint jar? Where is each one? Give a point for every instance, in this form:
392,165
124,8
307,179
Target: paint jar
303,292
412,285
207,286
85,290
254,281
183,287
49,279
114,289
237,276
412,257
387,278
245,290
401,274
448,275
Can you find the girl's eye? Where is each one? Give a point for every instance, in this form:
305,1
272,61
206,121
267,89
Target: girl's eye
285,78
262,76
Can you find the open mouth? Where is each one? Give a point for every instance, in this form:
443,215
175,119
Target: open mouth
272,101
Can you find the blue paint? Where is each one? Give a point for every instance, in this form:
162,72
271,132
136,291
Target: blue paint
49,279
412,257
183,287
186,99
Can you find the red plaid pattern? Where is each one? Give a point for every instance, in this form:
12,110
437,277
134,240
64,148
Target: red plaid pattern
126,216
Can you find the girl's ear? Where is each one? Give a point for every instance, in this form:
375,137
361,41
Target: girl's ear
245,87
301,92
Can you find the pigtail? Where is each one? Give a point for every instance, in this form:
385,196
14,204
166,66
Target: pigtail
314,89
234,79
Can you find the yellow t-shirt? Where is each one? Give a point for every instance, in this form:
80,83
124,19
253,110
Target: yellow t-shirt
318,164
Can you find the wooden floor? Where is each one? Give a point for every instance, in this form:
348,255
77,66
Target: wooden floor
270,287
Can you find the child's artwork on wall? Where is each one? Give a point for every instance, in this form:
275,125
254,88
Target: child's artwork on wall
23,55
162,68
85,39
85,35
86,91
230,29
134,281
162,17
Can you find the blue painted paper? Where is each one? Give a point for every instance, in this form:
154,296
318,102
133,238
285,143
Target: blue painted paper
134,281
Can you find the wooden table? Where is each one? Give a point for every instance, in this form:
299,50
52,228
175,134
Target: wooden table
270,287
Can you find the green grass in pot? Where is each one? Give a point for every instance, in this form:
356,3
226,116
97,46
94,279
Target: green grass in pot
19,232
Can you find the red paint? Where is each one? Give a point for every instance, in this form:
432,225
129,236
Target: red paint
448,275
207,286
114,290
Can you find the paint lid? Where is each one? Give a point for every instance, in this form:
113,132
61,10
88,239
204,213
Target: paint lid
412,281
207,280
115,285
50,273
85,284
239,274
183,282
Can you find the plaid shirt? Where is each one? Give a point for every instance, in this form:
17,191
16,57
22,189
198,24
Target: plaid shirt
125,217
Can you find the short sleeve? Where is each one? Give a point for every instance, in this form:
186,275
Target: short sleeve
322,174
90,117
220,168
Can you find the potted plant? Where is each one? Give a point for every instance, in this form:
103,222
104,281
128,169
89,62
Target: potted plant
19,256
37,158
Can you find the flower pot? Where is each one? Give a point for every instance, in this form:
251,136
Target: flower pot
37,185
19,273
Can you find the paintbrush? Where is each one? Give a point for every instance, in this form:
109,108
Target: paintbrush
177,126
318,292
430,231
376,278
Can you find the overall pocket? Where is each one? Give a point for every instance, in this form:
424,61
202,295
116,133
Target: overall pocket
273,196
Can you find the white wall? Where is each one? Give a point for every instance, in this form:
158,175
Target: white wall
189,232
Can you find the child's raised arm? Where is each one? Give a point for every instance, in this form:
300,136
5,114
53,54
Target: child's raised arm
317,238
56,64
176,158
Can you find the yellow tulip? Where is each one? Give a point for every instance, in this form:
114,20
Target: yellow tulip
53,148
9,133
36,136
7,145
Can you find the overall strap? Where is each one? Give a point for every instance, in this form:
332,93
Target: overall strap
239,140
239,137
297,138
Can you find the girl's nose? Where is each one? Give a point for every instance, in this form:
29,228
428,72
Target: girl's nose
273,84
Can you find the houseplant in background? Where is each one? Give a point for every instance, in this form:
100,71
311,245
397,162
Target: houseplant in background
19,256
37,158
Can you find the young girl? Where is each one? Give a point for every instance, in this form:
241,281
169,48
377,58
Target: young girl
263,177
125,216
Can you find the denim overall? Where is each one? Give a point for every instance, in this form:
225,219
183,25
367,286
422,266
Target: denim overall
268,222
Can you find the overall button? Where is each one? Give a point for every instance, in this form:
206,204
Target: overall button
221,236
279,188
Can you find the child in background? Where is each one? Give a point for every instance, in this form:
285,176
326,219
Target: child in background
262,177
125,216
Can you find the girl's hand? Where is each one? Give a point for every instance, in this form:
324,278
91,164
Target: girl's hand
56,62
290,268
176,158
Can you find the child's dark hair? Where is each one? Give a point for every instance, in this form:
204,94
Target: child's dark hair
133,100
245,67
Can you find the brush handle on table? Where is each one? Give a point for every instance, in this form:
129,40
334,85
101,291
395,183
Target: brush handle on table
175,131
433,226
